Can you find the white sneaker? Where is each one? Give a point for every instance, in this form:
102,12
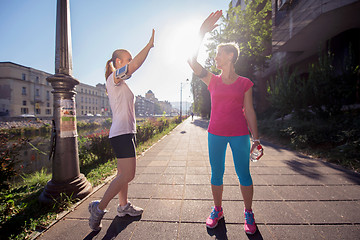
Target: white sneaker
129,209
95,216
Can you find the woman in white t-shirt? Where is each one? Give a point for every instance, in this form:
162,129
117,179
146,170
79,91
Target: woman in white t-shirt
122,132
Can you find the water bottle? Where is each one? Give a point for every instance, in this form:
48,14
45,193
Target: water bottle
257,153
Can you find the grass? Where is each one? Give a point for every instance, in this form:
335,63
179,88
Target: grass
21,214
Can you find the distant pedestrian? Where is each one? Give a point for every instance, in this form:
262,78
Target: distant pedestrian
122,132
192,116
232,115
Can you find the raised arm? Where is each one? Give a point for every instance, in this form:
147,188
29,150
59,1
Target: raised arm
208,25
139,59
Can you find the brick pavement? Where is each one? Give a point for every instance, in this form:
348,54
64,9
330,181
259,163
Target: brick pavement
296,197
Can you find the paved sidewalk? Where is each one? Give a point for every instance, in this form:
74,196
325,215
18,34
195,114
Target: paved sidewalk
296,197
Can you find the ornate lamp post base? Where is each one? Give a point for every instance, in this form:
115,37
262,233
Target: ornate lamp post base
78,187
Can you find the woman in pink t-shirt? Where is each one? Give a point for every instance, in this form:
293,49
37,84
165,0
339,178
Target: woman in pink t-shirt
232,115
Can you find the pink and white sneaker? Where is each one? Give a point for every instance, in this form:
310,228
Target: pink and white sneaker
213,220
249,225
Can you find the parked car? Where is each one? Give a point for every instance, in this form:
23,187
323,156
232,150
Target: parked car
89,114
27,115
98,115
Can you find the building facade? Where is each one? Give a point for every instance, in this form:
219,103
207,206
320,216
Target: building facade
24,90
302,29
151,106
92,100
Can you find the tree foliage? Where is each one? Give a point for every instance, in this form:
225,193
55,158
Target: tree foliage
250,29
321,95
202,102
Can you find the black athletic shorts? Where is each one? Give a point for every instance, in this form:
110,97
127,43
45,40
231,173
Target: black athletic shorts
124,145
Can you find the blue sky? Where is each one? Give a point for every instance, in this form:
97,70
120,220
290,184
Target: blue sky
27,29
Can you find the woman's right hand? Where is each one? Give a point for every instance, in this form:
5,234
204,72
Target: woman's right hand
210,22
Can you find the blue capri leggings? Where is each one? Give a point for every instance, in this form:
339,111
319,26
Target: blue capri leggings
240,147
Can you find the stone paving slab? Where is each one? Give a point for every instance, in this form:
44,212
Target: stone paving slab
296,197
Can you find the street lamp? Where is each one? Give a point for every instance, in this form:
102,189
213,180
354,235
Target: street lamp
66,177
181,85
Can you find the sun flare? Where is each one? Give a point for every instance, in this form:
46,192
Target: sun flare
181,41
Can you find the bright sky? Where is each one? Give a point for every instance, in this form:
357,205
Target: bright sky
27,30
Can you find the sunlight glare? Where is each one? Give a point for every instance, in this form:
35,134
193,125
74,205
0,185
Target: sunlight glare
181,41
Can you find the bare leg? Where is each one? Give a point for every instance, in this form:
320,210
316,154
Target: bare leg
247,193
127,173
217,192
123,200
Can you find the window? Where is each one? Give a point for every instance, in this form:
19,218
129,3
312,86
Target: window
24,103
85,90
48,111
38,111
23,77
47,95
82,90
82,99
24,110
47,104
86,100
37,80
37,92
23,91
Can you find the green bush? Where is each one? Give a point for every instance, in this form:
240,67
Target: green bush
336,139
100,146
8,157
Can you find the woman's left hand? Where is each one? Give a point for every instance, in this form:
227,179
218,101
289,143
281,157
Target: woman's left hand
254,145
151,42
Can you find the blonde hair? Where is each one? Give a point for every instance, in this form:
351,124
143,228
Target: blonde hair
230,48
110,64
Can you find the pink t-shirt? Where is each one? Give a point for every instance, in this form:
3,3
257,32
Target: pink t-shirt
227,102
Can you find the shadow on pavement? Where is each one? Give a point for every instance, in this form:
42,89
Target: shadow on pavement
308,169
116,227
304,168
201,123
256,236
220,231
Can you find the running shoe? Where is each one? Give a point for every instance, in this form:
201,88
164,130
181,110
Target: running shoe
250,225
213,220
95,216
129,209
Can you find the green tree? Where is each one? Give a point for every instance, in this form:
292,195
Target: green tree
250,29
202,102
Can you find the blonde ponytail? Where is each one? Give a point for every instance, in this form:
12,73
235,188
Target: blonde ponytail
109,69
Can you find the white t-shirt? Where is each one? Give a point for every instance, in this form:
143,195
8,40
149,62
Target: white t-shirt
122,103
